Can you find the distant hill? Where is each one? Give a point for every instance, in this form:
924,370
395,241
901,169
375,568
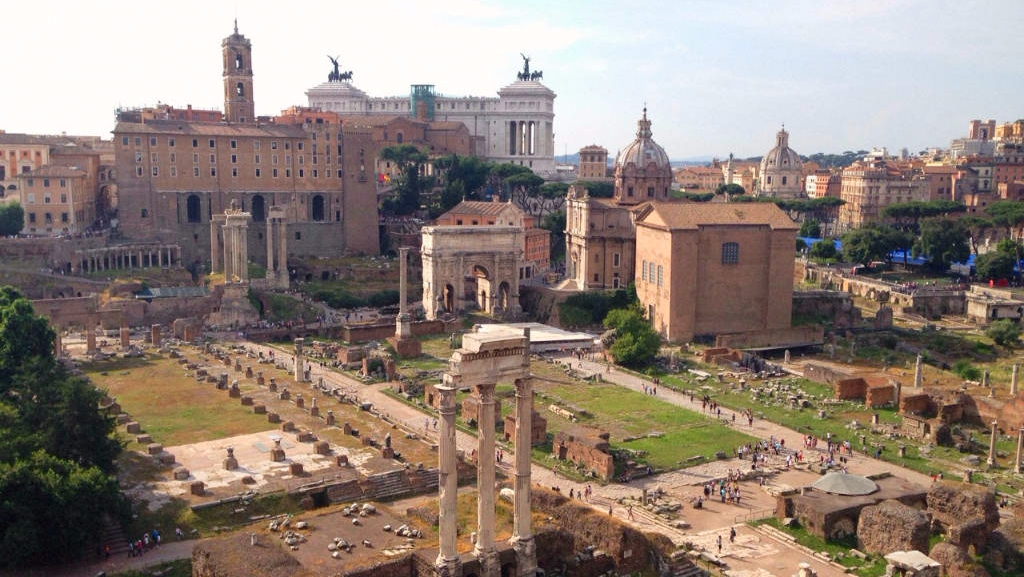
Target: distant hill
691,161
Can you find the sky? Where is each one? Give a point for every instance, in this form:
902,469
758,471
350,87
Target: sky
717,77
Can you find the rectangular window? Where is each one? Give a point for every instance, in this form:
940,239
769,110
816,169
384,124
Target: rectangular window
234,144
154,157
257,173
273,159
152,141
195,157
46,199
32,217
156,171
661,271
138,171
287,173
213,171
288,159
195,143
213,143
299,145
63,183
257,159
255,144
138,141
339,173
730,253
138,156
273,145
63,217
629,191
301,160
213,159
234,172
615,260
195,171
124,141
234,159
302,173
170,142
643,271
174,171
174,158
273,173
64,197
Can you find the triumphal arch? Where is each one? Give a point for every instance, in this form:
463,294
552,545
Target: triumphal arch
467,267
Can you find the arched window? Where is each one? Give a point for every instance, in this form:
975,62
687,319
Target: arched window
240,89
238,61
318,208
259,212
193,208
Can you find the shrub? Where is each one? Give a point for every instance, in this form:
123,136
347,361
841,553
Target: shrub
1004,332
966,371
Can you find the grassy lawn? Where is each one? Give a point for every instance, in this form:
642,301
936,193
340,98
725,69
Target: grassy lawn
873,566
173,408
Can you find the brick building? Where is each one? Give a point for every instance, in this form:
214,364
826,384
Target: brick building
870,185
175,175
714,268
593,163
58,200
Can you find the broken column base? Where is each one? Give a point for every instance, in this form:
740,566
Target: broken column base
277,455
406,347
230,464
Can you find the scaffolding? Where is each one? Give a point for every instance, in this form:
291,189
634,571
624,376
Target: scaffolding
421,102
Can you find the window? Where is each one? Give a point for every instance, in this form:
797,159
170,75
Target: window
145,213
299,145
174,158
273,145
138,171
730,253
273,159
170,142
195,171
769,180
273,173
153,157
138,141
650,192
615,260
784,179
46,182
32,217
213,143
257,173
138,156
152,141
156,171
661,272
643,271
234,144
298,235
63,217
302,173
213,158
193,208
650,273
596,277
234,172
174,171
195,143
213,171
234,159
64,197
257,159
287,173
63,183
124,141
46,199
195,157
629,191
255,144
31,182
287,145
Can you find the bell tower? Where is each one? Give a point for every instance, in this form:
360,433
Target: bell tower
238,100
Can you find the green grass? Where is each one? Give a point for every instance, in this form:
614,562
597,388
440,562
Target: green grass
873,566
179,568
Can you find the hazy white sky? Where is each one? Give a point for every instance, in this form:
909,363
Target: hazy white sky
717,76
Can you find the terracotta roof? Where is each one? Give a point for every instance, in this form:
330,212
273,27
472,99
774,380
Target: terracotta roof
445,125
13,138
691,215
479,207
209,129
54,171
375,119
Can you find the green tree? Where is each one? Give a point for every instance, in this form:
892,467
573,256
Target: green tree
636,343
824,250
598,189
555,222
907,216
730,190
12,219
409,160
695,196
869,243
944,241
977,227
1004,332
810,228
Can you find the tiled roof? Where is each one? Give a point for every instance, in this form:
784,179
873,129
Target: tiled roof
209,129
479,207
691,215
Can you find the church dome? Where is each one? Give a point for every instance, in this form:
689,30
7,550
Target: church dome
781,170
643,151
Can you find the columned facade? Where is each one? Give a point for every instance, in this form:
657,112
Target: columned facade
127,257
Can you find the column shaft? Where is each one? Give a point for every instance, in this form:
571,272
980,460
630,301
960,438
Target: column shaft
524,424
448,484
485,473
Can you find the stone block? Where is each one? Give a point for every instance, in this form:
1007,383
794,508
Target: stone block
892,526
123,418
247,401
306,436
165,458
322,448
284,395
133,428
143,439
387,453
295,469
197,488
181,474
288,426
342,460
299,401
259,409
273,418
154,448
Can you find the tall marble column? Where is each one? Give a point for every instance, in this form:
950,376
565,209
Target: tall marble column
270,248
991,461
282,252
522,533
403,329
1013,379
1020,451
216,256
447,563
299,364
484,549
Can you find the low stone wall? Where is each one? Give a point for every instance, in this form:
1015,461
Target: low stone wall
772,338
587,450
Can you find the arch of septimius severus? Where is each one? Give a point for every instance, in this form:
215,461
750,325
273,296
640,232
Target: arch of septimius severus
483,360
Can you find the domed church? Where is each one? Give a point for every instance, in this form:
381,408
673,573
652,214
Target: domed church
600,233
781,170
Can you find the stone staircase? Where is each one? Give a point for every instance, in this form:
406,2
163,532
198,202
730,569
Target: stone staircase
424,480
113,535
386,485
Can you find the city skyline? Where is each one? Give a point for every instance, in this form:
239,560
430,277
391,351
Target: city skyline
716,77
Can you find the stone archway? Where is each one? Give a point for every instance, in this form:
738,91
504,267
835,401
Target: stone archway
480,285
504,296
448,299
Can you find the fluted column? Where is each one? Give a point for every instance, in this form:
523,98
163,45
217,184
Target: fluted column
447,563
403,329
522,533
215,254
243,251
1020,450
270,248
282,254
484,549
991,461
298,368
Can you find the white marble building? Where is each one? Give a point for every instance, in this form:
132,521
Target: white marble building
516,127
